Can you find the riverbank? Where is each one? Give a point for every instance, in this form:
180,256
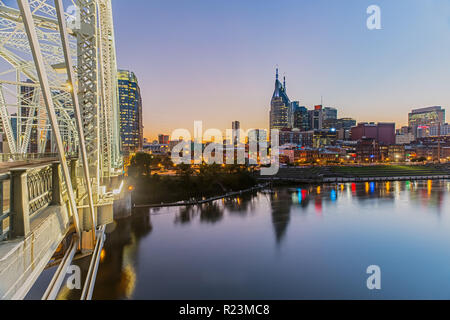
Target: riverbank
191,185
200,202
339,174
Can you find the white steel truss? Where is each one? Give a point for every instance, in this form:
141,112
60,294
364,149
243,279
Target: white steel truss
79,71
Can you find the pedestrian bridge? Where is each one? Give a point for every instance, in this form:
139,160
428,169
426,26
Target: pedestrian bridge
61,165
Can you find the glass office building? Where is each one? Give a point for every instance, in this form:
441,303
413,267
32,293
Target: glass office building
301,117
131,127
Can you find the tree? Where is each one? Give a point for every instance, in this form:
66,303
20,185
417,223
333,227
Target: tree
185,170
140,165
167,162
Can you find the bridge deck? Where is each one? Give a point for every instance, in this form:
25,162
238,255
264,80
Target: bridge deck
5,167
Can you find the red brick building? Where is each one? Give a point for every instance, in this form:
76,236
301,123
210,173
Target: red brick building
383,133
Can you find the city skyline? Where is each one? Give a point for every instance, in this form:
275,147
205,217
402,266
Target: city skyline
215,62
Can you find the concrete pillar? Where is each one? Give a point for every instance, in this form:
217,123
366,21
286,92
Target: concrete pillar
56,185
20,214
74,175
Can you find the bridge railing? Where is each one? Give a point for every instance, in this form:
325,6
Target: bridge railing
4,206
11,157
32,190
40,186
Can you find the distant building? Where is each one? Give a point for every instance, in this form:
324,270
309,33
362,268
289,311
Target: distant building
309,139
14,125
431,152
156,148
329,118
325,137
404,138
290,154
236,127
386,133
163,139
419,120
403,130
343,127
382,133
396,153
173,144
345,123
289,136
443,130
368,150
301,117
306,155
364,130
131,126
257,135
280,107
27,96
316,118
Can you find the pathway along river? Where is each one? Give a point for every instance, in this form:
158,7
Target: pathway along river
296,243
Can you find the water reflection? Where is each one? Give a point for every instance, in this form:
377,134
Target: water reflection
120,256
281,203
241,205
175,260
211,213
186,214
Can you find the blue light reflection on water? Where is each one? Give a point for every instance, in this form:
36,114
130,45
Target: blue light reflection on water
333,195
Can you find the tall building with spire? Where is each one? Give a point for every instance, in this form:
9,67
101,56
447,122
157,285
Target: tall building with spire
281,115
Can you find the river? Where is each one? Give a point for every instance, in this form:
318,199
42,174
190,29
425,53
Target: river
310,242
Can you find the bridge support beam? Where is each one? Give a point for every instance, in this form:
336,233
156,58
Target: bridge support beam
71,78
28,22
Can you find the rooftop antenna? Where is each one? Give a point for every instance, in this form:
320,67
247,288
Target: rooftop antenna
284,82
277,71
321,101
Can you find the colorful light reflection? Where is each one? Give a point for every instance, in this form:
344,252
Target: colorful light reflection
333,195
372,187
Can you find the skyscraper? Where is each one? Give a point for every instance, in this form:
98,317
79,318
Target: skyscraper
236,126
329,118
301,117
316,118
256,139
131,127
281,110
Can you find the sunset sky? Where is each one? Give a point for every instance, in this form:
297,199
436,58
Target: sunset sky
215,60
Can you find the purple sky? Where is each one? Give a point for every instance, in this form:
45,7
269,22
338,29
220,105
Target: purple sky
215,60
